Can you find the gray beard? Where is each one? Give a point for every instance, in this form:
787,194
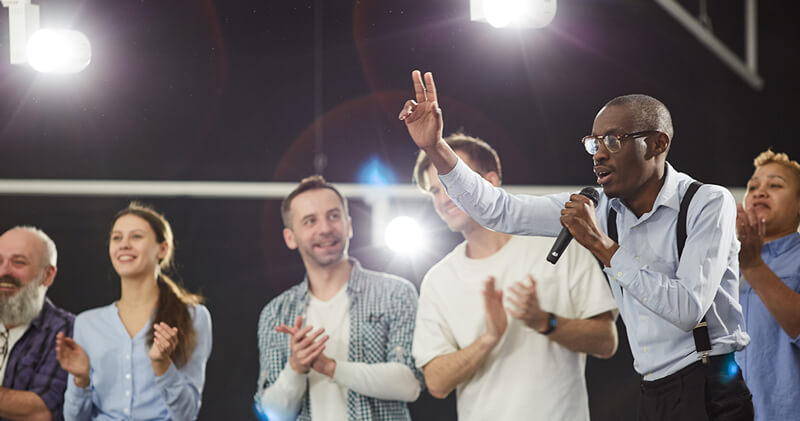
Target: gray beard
24,306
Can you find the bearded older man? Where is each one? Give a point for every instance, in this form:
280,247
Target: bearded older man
32,381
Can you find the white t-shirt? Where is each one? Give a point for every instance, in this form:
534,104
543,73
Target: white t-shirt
12,336
328,399
527,376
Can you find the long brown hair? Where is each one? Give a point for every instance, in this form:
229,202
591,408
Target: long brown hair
173,299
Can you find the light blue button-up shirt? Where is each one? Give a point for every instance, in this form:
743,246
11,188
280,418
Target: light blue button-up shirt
664,299
123,384
771,363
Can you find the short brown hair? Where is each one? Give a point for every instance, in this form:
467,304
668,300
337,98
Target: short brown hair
770,157
481,155
314,182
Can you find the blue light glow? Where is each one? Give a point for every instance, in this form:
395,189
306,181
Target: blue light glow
376,173
733,369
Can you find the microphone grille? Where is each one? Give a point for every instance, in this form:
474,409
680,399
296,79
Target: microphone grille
591,193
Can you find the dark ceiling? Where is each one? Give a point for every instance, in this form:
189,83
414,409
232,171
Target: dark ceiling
242,90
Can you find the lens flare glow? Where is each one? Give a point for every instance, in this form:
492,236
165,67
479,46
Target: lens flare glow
59,51
518,13
404,235
501,13
376,173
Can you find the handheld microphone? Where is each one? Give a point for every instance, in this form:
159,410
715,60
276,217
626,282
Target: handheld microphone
564,237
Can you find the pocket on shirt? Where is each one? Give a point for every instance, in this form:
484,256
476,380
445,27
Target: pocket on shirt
374,334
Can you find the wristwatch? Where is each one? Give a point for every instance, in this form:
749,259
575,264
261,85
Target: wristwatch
551,324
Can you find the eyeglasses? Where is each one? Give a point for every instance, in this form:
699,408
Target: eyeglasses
613,142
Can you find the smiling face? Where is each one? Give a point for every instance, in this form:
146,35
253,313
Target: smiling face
320,227
25,275
134,249
773,193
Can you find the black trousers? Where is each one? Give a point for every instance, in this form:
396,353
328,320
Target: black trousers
699,392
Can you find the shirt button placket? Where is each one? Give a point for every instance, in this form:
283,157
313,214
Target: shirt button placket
129,380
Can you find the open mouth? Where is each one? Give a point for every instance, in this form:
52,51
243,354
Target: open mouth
603,175
8,286
328,245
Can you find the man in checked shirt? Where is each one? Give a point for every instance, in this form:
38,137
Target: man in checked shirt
336,346
32,381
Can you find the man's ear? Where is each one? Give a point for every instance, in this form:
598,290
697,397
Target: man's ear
49,275
493,178
288,237
349,227
658,146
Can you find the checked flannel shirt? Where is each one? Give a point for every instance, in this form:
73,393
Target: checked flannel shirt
383,308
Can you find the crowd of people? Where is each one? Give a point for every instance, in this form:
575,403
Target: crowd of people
709,291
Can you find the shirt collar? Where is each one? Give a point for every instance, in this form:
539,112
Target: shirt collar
38,322
354,285
668,196
781,245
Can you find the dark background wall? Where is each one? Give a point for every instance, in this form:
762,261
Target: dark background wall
243,90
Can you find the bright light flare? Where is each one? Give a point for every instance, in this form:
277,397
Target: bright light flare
404,235
518,13
500,13
59,51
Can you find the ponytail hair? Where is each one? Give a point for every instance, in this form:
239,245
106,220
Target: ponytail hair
173,299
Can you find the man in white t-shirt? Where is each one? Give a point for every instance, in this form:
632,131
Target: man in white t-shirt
524,359
337,345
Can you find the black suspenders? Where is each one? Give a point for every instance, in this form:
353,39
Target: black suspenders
702,342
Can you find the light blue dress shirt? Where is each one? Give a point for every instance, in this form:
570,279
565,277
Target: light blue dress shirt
123,384
664,299
771,363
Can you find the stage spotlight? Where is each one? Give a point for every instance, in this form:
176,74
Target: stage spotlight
403,235
518,13
59,51
46,50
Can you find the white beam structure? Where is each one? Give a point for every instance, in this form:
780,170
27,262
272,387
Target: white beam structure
747,69
234,189
377,197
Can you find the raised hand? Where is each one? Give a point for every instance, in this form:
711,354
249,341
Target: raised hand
422,116
496,321
73,359
750,229
305,347
165,340
526,303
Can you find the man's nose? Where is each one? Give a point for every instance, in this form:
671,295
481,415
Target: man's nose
602,153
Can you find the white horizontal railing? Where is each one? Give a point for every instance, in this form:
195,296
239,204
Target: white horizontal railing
233,189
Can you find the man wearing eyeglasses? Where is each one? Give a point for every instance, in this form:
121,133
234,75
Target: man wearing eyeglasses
669,302
32,381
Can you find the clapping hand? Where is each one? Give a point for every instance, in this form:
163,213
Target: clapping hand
305,347
73,359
